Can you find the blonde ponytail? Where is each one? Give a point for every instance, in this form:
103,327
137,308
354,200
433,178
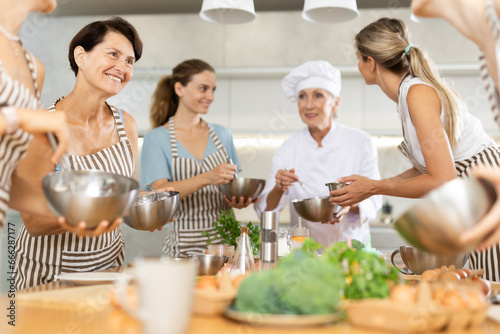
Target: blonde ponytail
387,42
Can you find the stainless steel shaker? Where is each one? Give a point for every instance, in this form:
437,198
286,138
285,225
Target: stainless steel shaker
269,240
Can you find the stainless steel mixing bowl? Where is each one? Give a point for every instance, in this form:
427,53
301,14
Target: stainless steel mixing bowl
243,187
209,264
435,222
152,211
89,196
316,209
418,261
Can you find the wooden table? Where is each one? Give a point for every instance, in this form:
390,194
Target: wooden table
57,308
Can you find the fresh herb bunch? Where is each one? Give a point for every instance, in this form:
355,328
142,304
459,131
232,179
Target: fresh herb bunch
228,229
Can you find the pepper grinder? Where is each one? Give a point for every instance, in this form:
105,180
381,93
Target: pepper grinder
269,240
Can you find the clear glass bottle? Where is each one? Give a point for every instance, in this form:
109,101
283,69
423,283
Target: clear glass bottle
298,234
243,261
283,242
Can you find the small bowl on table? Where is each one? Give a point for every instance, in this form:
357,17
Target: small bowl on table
152,211
243,187
315,209
210,264
89,196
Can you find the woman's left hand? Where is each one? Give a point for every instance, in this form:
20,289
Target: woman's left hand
338,216
82,231
358,189
241,203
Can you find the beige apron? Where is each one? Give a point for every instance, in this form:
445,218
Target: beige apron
198,211
39,259
13,146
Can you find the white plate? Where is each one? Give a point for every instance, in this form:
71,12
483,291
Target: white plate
91,277
282,320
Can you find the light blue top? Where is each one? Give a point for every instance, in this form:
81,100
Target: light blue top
156,156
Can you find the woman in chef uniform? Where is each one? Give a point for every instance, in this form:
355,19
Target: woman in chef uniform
321,152
102,56
441,138
185,152
479,21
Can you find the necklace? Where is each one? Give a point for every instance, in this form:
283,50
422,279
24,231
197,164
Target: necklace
11,37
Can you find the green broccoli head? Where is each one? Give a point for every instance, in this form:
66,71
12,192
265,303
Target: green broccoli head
256,294
308,284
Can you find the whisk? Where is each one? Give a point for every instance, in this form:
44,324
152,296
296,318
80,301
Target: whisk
305,187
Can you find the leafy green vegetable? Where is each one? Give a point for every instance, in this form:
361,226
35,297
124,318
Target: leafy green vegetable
228,229
366,273
302,283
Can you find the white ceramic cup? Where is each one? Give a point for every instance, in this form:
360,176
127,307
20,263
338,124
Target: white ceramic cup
165,289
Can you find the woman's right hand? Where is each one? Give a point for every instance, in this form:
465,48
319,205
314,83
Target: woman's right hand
285,178
40,122
222,174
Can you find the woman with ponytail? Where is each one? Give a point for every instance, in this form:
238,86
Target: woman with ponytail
187,153
441,138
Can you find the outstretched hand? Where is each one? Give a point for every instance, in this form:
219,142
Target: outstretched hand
239,203
358,189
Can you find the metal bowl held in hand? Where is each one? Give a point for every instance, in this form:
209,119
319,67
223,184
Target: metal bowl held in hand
243,187
89,196
152,211
334,186
316,209
209,264
418,261
437,221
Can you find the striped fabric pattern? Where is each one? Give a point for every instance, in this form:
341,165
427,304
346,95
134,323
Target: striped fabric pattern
13,146
493,94
198,211
489,157
39,259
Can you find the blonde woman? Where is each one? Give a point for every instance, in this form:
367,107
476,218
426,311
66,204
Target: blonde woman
478,20
441,138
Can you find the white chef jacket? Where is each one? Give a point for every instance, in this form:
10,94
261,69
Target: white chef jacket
345,151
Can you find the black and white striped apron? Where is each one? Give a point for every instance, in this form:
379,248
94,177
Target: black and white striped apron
198,211
489,157
13,146
39,259
493,94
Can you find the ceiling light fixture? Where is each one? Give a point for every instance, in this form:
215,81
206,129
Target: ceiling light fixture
329,11
228,11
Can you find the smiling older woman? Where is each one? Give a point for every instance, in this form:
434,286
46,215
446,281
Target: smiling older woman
102,56
320,153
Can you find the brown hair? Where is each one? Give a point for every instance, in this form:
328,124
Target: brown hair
93,34
165,101
386,41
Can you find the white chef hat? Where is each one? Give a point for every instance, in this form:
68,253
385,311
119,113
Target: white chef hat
313,74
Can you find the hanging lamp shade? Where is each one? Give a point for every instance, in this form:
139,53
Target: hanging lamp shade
329,11
228,11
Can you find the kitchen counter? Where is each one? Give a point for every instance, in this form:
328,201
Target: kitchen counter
61,308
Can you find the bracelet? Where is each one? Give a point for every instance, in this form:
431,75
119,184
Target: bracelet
10,114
